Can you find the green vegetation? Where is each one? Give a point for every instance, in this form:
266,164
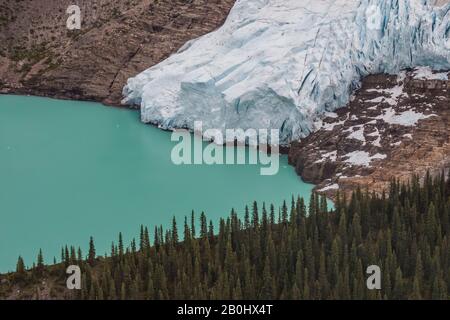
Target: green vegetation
3,21
291,253
52,62
34,54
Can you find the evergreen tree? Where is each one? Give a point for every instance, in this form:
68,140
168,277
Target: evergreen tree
91,254
20,267
174,231
313,253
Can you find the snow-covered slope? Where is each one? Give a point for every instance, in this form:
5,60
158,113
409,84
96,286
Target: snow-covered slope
280,63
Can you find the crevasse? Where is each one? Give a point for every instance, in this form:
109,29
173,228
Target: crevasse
278,64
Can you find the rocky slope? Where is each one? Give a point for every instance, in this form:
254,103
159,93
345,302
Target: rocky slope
118,39
393,127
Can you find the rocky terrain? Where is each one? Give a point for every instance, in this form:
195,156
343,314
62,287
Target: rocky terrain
118,39
394,126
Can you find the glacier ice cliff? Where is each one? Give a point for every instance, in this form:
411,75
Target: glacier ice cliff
278,64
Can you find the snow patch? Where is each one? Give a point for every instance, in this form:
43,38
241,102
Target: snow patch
407,118
330,187
331,115
426,73
362,158
357,134
331,156
377,141
393,95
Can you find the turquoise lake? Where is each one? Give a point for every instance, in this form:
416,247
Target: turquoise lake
70,170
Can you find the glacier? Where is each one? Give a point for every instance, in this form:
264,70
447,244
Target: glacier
280,64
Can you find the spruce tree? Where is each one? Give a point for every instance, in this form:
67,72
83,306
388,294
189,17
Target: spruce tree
91,253
40,260
20,267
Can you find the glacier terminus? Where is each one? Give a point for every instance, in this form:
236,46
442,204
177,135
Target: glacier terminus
280,64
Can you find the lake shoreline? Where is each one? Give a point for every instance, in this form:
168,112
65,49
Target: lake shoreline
283,150
59,152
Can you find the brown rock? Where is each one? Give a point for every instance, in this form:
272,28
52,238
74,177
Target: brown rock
408,150
118,39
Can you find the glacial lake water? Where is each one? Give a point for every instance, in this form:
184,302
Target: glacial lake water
71,169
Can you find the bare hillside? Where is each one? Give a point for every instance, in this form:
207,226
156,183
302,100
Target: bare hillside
118,39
